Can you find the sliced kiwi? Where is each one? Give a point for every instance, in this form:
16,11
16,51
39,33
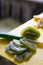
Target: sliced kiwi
28,44
19,58
30,33
17,42
23,57
18,50
27,55
9,50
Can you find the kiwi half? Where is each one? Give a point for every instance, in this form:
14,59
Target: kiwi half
30,33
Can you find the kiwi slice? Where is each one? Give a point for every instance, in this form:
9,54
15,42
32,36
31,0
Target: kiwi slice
28,44
17,42
19,58
30,33
9,50
18,50
23,57
27,55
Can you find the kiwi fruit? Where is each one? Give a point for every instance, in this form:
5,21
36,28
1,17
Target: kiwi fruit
30,33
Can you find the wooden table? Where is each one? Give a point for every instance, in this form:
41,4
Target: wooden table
36,59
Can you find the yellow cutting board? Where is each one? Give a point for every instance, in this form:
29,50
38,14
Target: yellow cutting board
36,59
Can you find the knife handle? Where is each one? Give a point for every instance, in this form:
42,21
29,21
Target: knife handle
9,36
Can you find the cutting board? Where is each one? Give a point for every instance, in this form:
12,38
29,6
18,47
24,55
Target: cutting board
36,59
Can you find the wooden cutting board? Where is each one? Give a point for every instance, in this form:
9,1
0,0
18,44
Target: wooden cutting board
36,59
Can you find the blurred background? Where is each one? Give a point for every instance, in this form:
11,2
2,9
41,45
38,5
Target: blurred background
15,12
